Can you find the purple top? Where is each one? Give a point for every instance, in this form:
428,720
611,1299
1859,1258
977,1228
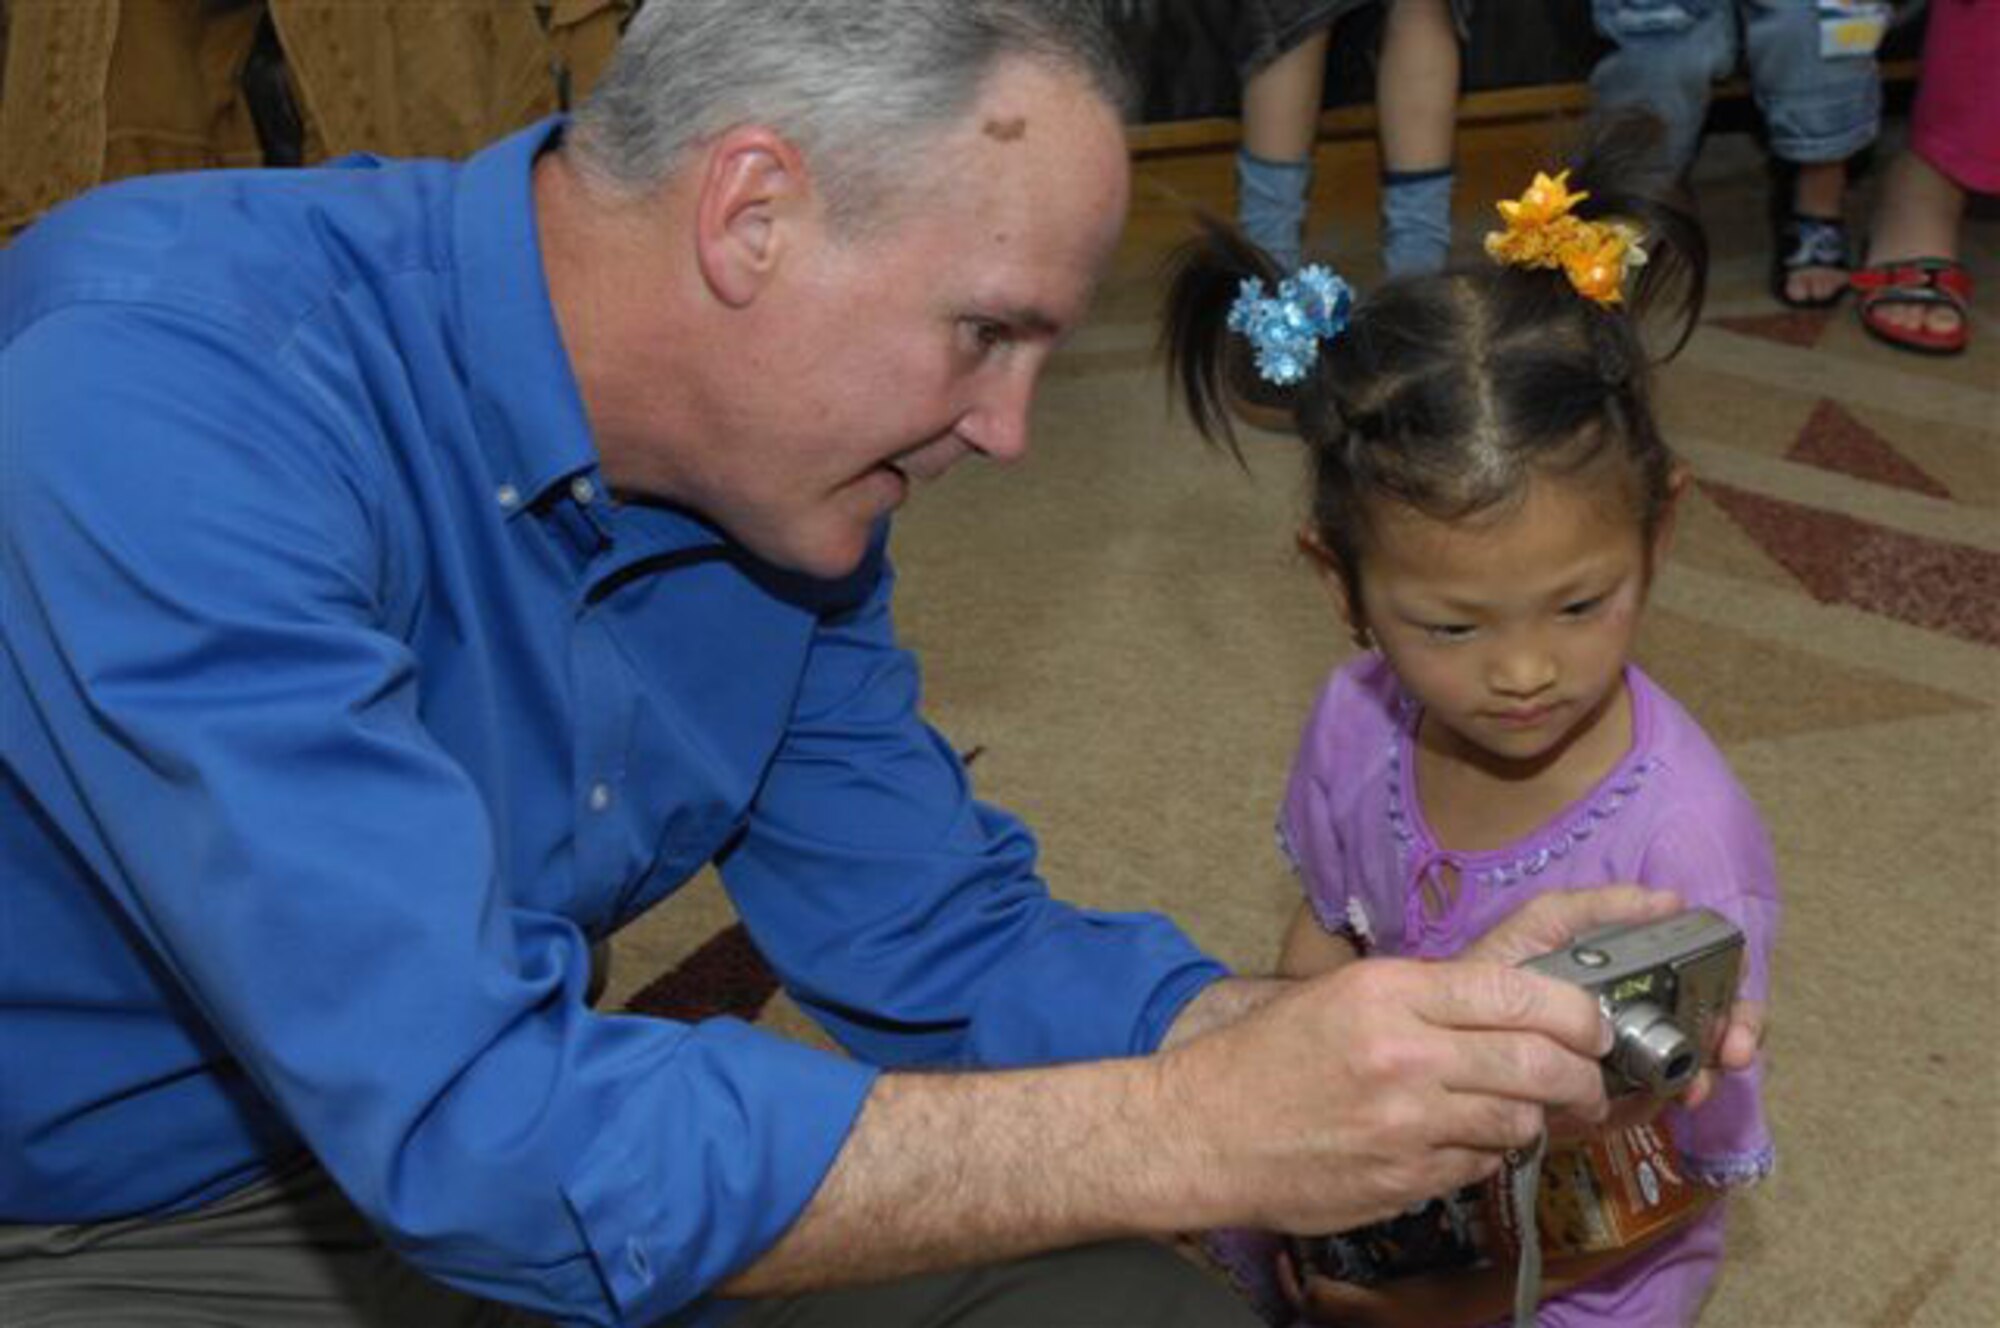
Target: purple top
1669,814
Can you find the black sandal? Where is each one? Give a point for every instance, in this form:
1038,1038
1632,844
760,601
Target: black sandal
1804,242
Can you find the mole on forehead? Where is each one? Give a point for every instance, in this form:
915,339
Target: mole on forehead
1006,131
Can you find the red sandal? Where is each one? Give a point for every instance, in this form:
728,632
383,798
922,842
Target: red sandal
1925,282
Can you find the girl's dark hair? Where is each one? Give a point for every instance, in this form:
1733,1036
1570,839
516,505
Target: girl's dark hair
1448,392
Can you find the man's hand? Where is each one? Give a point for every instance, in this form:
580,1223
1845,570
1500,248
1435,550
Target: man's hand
1549,922
1347,1098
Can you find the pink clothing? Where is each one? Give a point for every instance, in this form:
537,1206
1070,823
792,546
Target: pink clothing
1670,814
1955,124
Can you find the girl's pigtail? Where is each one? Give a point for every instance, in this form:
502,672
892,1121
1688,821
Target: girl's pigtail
1204,276
1622,166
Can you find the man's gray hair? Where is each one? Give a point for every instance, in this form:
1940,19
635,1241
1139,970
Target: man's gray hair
856,85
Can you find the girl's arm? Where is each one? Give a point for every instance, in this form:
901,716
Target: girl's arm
1309,949
1463,1299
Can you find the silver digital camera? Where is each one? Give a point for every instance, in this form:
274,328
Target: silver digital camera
1665,986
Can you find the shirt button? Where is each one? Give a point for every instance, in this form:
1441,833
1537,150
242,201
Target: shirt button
508,496
600,797
582,490
636,1260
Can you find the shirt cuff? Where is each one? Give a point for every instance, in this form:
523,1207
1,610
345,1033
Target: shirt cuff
719,1165
1095,985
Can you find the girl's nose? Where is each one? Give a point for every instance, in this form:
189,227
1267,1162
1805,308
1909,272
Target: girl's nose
1521,668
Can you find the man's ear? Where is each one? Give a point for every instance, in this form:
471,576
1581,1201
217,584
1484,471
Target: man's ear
1332,579
753,188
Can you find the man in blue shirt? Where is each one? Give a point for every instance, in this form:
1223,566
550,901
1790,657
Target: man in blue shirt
414,571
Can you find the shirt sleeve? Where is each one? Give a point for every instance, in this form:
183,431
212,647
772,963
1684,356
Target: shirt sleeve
193,553
1717,854
1309,823
907,916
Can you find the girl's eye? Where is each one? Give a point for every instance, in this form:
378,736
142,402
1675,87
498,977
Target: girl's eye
1583,608
1448,631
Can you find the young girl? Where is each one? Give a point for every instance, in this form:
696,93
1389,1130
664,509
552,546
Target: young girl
1491,499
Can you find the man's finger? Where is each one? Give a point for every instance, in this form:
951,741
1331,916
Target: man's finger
1456,1166
1493,997
1490,1126
1549,922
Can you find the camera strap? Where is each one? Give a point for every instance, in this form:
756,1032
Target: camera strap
1524,1180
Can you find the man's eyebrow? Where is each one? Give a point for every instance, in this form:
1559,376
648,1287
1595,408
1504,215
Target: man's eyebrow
1029,319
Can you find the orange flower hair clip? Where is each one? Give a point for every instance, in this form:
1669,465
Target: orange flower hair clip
1543,231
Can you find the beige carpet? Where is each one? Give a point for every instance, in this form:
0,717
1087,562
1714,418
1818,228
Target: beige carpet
1120,624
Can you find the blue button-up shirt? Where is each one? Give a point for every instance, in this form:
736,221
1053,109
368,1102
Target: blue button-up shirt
343,708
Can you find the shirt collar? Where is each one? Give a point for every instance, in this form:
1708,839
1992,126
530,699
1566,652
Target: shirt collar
524,395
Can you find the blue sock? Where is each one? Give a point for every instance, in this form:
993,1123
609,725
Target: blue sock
1416,220
1271,204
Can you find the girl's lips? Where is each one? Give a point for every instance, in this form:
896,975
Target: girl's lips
1523,719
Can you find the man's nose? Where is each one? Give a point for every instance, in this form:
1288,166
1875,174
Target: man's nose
997,424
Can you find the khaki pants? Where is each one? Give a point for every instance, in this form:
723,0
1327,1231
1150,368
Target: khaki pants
290,1252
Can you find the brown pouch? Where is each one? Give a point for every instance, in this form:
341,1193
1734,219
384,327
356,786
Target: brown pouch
1607,1192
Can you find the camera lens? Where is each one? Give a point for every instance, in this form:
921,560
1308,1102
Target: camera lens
1651,1050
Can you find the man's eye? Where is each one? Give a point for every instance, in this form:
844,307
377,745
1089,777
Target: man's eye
986,334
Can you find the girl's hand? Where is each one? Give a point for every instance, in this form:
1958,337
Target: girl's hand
1323,1300
1741,1043
1421,1301
1744,1038
1352,1306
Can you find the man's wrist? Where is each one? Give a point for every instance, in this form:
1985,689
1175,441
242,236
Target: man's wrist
1220,1004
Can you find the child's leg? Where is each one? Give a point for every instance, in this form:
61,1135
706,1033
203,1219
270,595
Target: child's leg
1664,56
1955,124
1812,268
1954,148
1274,166
1416,103
1818,112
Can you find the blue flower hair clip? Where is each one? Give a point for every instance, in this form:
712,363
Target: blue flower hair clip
1286,329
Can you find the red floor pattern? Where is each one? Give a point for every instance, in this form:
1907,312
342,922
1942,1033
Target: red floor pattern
1834,440
1927,583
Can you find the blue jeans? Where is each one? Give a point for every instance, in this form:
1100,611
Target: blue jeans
1667,53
